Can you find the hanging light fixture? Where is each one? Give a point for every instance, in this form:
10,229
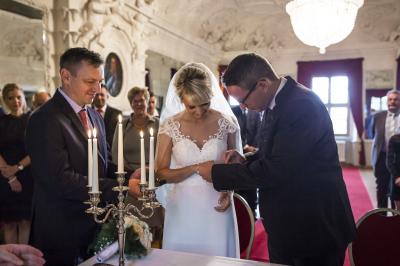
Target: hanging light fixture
321,23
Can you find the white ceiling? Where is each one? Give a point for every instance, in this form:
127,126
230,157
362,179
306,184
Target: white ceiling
236,25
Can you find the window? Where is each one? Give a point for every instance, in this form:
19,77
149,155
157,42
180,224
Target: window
334,93
378,103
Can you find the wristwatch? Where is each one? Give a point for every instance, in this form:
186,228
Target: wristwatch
20,167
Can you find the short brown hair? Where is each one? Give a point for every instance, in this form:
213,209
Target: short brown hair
73,57
137,90
193,81
246,69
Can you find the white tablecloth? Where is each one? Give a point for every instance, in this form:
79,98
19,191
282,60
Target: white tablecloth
164,257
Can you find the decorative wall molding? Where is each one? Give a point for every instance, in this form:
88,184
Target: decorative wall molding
379,78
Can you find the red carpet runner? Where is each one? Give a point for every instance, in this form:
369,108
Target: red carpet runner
360,204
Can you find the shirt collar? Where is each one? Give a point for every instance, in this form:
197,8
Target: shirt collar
282,83
71,102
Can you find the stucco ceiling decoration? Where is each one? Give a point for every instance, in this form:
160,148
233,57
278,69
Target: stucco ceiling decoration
264,25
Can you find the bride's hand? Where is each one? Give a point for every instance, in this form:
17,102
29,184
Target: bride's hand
224,202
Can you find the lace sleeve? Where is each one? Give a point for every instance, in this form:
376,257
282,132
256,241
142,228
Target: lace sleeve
170,128
165,128
229,125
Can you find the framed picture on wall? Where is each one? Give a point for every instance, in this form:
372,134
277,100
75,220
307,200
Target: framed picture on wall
113,74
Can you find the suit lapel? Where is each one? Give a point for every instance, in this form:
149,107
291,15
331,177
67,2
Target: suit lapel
70,113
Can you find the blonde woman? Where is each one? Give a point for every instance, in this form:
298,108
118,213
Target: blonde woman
16,184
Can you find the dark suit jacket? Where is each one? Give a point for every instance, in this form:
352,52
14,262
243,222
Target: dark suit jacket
57,145
302,195
110,122
249,125
378,133
1,111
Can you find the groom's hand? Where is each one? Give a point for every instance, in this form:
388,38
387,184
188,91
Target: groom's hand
205,170
233,156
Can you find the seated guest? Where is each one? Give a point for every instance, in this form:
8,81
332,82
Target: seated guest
16,184
152,109
40,98
57,143
109,113
393,164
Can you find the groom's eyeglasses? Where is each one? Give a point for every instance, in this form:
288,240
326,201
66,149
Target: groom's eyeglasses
243,101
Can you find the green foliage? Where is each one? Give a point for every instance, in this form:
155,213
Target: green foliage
108,234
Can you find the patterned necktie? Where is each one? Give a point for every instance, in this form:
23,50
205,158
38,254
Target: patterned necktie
100,111
84,119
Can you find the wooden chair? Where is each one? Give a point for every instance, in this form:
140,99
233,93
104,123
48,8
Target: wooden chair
377,239
245,221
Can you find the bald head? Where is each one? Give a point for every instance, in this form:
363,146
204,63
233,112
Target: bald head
39,98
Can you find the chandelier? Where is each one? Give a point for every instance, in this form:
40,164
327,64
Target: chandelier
321,23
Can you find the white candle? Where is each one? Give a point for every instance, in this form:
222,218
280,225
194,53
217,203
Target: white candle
120,146
142,160
90,159
95,184
151,160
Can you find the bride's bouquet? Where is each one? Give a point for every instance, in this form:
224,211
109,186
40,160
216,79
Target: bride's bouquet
137,239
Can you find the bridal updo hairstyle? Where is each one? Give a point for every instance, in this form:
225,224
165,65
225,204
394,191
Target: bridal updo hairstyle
193,81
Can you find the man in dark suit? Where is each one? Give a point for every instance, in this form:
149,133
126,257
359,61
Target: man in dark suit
109,113
249,123
57,140
303,198
384,125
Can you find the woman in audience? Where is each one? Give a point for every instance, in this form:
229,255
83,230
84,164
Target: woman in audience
393,164
16,183
138,121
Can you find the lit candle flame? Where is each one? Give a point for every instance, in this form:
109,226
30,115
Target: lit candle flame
119,118
94,133
89,133
141,133
151,131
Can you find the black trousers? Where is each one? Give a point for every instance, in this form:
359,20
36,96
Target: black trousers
383,181
327,259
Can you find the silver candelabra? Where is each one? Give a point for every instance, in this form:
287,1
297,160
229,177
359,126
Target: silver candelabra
120,210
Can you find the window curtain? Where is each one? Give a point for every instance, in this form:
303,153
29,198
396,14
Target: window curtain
349,67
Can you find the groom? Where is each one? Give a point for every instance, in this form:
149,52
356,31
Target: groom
303,198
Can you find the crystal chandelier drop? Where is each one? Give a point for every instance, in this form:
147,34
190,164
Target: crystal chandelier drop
321,23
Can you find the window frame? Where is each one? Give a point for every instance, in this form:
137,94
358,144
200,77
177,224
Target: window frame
329,105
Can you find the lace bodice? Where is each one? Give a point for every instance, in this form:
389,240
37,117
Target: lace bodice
186,151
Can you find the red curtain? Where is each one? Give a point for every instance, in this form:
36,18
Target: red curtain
398,74
349,67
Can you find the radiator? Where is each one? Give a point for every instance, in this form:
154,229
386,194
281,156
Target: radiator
341,147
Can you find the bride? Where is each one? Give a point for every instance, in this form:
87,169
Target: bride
197,126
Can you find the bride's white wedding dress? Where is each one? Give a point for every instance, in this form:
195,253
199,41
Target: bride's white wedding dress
191,222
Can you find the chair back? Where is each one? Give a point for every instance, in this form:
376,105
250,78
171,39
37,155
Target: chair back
245,222
377,239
